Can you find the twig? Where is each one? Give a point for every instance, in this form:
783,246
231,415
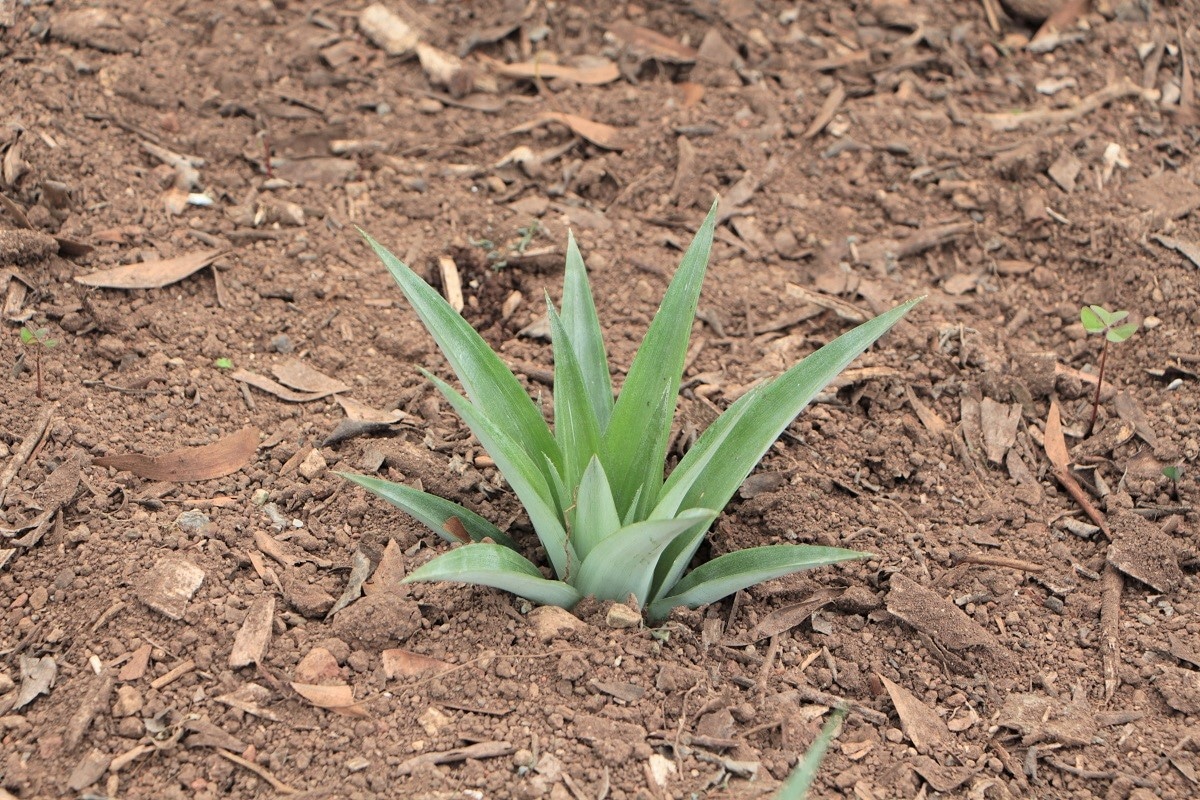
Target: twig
1110,642
994,561
40,426
833,701
1096,100
1096,775
276,784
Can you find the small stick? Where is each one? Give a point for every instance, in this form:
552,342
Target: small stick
31,440
1110,614
1099,383
173,675
994,561
276,784
833,701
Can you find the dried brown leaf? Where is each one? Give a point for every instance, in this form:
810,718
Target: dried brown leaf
597,133
652,43
223,457
338,699
596,75
406,664
150,274
271,387
304,378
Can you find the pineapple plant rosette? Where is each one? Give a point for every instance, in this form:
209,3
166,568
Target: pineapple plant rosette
593,485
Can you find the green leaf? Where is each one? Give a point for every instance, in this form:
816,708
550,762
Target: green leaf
527,481
27,336
800,781
1171,472
486,379
595,513
1090,319
223,363
635,443
430,510
575,426
623,563
499,567
1121,332
731,447
727,574
583,330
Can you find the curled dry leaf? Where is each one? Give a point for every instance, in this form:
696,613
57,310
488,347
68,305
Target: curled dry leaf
405,664
597,133
361,412
338,699
150,274
222,457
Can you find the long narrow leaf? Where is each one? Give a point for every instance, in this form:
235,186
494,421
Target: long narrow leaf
583,329
727,574
499,567
623,563
431,510
486,379
635,445
730,448
575,425
595,513
527,482
800,781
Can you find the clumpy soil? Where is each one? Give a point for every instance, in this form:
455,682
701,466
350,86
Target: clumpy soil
1029,622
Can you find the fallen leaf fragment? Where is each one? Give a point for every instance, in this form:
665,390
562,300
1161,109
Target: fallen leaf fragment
790,616
827,111
652,43
1189,250
319,667
920,723
169,585
389,573
222,457
598,133
150,274
939,618
271,387
361,412
303,378
359,570
37,677
338,699
477,750
406,664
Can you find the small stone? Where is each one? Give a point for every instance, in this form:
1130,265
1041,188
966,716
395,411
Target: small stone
192,521
622,616
310,600
282,344
357,764
129,702
314,464
377,621
260,497
131,728
89,770
894,735
111,348
1151,322
434,721
38,598
551,622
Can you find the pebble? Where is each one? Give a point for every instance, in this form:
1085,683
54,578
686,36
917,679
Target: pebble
282,344
129,702
313,465
192,521
552,621
622,616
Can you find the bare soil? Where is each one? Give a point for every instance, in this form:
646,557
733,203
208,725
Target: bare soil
1002,642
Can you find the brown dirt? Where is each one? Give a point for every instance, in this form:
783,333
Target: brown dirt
973,645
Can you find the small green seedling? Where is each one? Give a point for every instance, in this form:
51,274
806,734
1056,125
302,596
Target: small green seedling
39,340
224,363
593,487
1172,474
1098,319
800,781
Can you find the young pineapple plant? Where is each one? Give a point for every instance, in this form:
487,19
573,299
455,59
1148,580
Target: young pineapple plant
593,486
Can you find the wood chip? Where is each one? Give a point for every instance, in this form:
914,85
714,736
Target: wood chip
387,30
253,638
150,274
597,74
168,586
135,667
